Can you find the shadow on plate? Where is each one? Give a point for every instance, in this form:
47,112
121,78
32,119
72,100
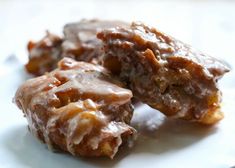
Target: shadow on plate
158,134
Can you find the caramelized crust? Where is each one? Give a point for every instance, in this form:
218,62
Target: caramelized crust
165,73
78,108
79,42
44,54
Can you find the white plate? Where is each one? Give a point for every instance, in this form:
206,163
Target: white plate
164,144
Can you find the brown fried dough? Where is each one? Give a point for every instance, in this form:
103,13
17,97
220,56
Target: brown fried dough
165,73
78,108
79,42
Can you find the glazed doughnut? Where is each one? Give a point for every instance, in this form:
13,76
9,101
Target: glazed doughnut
165,73
44,54
78,108
78,42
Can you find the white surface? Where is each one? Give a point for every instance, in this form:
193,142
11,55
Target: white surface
207,25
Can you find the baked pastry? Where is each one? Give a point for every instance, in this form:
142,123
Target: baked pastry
78,108
165,73
44,54
79,42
